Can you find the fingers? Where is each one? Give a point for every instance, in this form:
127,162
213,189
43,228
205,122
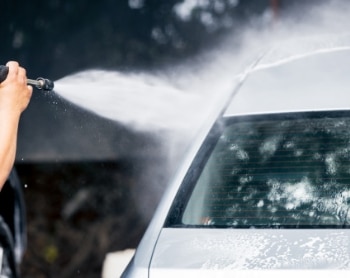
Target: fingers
29,91
22,75
12,64
16,72
13,67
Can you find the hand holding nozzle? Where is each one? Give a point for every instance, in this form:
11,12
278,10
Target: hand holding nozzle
40,83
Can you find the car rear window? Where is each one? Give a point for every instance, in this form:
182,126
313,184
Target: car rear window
282,171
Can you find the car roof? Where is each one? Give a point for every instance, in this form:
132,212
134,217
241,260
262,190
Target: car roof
316,81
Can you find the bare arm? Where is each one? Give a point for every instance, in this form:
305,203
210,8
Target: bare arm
14,99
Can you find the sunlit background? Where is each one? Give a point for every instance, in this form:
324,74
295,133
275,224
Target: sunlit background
135,80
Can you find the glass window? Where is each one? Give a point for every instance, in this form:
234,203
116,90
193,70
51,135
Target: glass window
275,173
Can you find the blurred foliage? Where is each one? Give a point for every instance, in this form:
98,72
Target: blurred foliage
66,36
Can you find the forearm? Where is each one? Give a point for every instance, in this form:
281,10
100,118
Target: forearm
8,143
14,98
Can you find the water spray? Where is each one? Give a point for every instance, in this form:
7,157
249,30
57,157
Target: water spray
40,83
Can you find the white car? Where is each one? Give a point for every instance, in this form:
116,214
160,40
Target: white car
266,191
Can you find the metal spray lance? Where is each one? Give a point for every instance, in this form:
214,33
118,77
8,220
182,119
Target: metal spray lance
40,83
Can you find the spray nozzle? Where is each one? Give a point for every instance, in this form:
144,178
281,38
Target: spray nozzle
40,83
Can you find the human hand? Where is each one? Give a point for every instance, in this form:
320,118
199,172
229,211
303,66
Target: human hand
15,94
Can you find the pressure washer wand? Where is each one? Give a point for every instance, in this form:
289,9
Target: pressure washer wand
40,83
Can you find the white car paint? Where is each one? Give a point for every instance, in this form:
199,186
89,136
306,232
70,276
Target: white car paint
312,83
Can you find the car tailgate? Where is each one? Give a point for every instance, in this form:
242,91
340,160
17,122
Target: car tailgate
251,252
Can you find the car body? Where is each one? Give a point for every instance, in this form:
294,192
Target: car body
265,189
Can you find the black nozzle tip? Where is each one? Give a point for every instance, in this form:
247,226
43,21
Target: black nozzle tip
45,84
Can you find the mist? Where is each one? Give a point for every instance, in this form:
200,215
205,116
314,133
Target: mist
171,103
181,97
174,103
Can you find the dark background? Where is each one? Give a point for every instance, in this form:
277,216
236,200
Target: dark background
86,196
